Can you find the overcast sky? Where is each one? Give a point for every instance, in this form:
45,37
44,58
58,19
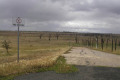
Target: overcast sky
99,16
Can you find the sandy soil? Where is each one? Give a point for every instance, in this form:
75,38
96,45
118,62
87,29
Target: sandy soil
85,56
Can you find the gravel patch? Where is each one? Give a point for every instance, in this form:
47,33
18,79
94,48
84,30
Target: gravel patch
85,56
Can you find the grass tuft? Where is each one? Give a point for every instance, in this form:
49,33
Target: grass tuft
60,66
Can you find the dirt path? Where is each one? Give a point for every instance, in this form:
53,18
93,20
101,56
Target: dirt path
85,56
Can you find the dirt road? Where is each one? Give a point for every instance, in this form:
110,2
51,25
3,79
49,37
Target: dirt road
85,56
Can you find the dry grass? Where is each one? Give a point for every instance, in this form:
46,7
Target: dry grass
26,66
34,54
108,49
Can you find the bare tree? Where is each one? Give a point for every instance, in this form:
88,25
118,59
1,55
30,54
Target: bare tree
6,45
107,42
57,35
90,42
115,44
87,41
49,36
76,38
41,35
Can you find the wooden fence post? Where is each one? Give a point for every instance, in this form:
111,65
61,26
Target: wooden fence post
112,44
115,44
76,38
49,37
107,43
102,43
96,42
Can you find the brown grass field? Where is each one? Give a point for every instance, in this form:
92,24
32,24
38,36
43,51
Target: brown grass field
34,52
37,53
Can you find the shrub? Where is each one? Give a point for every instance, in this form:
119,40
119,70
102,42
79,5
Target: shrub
6,45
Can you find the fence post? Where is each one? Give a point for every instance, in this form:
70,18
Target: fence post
115,44
102,43
112,44
96,42
107,43
76,40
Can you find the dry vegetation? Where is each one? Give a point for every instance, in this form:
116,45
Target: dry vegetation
34,53
42,49
108,43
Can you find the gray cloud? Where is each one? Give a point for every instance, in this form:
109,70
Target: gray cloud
62,15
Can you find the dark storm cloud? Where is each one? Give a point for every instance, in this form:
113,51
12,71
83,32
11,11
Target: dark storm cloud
61,15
